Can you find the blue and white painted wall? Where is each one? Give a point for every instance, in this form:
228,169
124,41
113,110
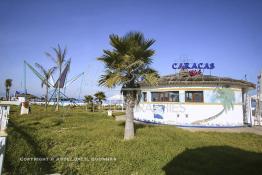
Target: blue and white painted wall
213,106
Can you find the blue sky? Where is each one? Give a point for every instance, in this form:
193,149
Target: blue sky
228,33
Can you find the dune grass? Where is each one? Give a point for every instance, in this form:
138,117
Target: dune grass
97,140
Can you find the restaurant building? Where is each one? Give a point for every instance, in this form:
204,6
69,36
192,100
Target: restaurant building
200,100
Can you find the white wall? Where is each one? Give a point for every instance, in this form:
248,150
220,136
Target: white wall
186,113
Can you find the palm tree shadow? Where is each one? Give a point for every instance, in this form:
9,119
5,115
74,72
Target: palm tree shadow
215,160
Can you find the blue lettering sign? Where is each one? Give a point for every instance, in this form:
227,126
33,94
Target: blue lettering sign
193,66
212,66
174,66
186,66
180,66
206,66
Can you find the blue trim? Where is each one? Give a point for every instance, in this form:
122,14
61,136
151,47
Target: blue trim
190,126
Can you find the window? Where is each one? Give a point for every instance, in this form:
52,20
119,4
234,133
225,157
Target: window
171,96
144,97
194,96
174,96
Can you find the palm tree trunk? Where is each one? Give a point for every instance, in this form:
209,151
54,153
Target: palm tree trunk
58,94
6,94
129,125
99,105
46,97
210,118
58,98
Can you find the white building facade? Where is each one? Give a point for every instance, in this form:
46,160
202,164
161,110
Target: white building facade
208,101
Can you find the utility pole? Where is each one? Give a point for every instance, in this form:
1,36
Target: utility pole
25,90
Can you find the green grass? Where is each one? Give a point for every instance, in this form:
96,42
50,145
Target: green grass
155,150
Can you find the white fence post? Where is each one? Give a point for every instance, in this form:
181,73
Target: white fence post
4,113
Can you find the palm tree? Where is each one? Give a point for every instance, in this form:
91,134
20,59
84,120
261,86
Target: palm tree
47,74
227,98
60,61
8,84
126,65
88,100
100,96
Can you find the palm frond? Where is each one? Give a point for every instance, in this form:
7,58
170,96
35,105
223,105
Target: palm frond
100,96
50,56
47,74
8,83
111,79
150,76
51,71
88,99
68,62
128,61
41,68
64,52
60,55
118,43
148,43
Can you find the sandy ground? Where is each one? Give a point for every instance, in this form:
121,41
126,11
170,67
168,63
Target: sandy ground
254,129
120,118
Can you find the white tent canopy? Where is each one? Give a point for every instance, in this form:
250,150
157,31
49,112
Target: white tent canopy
115,100
117,97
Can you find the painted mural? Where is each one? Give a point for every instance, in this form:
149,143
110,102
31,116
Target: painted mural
158,111
222,106
226,97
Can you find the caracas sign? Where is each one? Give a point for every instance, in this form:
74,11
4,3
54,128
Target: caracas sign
193,66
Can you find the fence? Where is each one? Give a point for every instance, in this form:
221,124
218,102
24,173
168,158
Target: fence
4,113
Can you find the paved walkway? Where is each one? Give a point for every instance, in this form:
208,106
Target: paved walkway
254,129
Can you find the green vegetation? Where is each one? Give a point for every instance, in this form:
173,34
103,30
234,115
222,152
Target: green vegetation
60,61
47,75
125,65
89,99
8,84
100,97
155,150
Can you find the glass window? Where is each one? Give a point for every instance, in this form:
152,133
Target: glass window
198,97
194,96
174,96
144,97
170,96
155,96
